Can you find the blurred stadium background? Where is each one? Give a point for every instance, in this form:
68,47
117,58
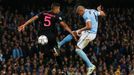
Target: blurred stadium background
112,51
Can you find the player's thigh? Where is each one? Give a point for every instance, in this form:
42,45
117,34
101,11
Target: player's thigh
51,37
91,36
82,40
85,39
51,40
83,44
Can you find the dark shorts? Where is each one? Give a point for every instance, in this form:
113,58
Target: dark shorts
47,49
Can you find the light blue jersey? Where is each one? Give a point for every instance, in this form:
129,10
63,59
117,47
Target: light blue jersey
92,16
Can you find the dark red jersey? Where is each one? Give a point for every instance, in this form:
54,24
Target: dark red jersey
48,22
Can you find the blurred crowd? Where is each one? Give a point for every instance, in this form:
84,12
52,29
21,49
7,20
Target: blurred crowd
112,51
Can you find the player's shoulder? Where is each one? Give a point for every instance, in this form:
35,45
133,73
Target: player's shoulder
49,13
42,12
94,10
59,16
86,10
86,13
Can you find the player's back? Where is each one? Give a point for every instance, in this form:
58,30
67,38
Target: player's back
48,22
92,15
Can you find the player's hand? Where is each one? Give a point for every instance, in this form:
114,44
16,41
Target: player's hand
78,32
99,8
74,34
21,28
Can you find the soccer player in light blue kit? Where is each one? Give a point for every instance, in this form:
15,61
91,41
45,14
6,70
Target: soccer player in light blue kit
86,34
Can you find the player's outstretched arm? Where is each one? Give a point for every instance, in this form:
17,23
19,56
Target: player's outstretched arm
65,26
22,27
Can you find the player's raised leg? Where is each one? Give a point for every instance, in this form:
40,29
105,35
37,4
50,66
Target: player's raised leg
56,49
68,38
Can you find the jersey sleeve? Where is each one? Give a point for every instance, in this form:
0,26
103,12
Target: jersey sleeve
86,17
40,14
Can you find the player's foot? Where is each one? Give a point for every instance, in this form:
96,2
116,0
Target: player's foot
90,70
56,51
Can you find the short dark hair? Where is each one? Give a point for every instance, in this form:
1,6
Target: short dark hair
55,5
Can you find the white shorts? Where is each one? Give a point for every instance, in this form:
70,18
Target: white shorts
85,38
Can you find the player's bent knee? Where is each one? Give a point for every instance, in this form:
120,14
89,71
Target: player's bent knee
77,47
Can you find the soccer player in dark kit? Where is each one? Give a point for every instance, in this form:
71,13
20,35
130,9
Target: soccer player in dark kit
48,26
